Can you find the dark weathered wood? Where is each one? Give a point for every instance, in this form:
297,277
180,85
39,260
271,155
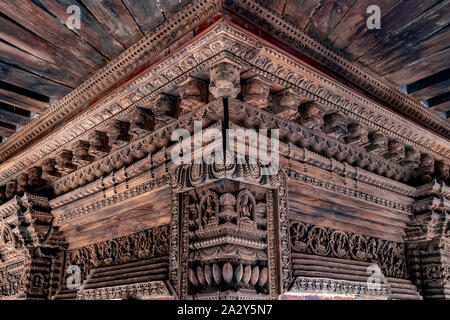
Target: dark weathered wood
37,20
91,29
440,103
403,12
354,22
22,101
405,56
116,17
408,35
32,82
29,42
56,74
432,90
147,14
327,17
13,115
300,17
6,129
421,68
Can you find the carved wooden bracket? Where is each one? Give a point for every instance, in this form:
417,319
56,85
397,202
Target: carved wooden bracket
225,80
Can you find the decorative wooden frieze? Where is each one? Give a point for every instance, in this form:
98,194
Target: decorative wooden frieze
256,91
225,80
291,35
330,287
324,241
142,245
354,108
193,94
98,144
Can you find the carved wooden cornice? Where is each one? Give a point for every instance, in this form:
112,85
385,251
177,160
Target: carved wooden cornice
258,14
222,42
146,49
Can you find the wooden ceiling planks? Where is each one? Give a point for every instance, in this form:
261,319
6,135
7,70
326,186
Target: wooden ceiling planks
13,115
410,34
91,29
147,14
116,17
31,81
45,25
327,16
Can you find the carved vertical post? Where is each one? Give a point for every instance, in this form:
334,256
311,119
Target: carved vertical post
428,238
241,246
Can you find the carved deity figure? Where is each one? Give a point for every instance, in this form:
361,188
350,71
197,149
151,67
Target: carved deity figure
246,207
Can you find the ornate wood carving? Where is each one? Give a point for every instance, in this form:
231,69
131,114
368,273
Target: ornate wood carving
324,241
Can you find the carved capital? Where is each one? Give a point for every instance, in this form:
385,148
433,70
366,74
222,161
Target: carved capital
22,184
442,170
311,115
118,134
377,143
81,156
412,157
98,144
49,171
225,80
286,104
64,162
426,168
164,110
192,94
335,125
395,151
357,134
142,121
256,91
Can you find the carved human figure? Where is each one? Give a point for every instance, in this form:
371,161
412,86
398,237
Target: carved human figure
256,91
208,211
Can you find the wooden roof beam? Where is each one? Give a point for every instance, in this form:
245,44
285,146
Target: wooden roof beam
14,115
22,98
6,129
431,86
